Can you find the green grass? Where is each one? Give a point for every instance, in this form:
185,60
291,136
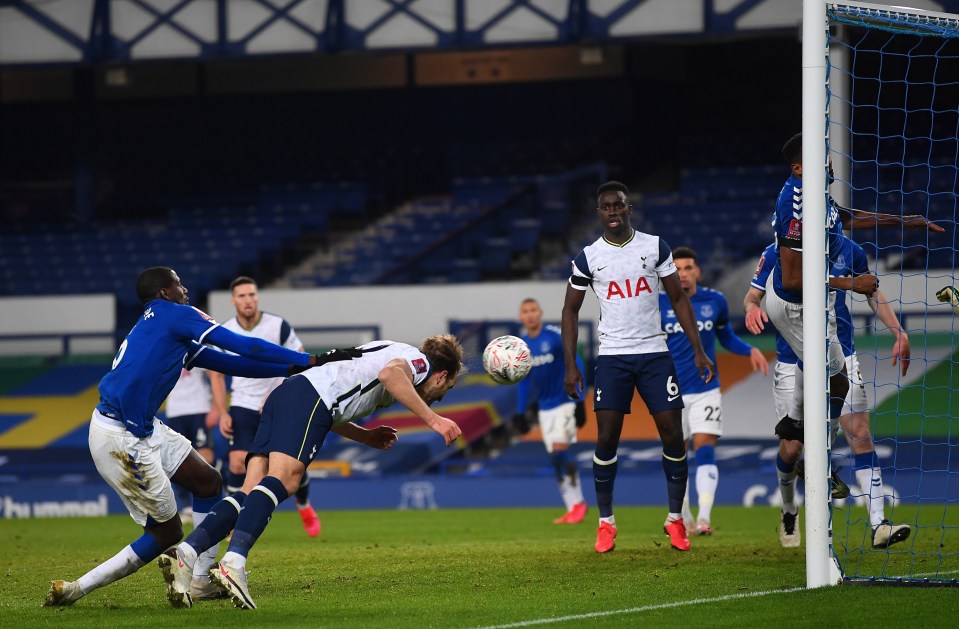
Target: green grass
469,568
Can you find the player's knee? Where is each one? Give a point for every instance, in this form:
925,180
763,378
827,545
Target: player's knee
167,533
291,482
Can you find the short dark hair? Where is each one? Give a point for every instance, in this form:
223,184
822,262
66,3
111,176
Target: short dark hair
792,149
240,281
684,252
612,186
150,281
445,354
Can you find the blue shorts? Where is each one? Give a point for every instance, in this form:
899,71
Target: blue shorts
653,375
295,421
245,423
193,427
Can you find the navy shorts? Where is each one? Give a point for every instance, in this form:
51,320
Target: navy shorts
295,421
245,424
193,427
653,375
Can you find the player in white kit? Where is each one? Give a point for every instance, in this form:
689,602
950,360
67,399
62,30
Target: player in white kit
626,270
247,395
296,419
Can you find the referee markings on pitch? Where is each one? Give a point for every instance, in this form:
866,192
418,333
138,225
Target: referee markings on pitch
645,608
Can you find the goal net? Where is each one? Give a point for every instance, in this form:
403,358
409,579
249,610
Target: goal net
892,135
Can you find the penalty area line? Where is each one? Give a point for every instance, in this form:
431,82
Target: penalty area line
645,608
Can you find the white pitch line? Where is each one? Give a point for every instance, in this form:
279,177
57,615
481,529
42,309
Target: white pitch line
645,608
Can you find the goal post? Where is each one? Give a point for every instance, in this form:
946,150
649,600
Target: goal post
879,99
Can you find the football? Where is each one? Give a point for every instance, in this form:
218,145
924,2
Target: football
507,360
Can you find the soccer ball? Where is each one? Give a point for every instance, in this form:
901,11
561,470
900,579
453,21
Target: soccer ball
507,360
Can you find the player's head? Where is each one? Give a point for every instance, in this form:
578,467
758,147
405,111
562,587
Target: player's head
792,153
446,358
244,296
531,315
613,208
161,282
688,269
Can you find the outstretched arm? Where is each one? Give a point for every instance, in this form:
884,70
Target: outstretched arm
686,318
256,349
858,219
380,437
397,377
215,360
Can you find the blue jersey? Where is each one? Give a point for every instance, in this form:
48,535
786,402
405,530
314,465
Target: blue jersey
712,318
545,379
787,226
148,363
850,261
767,263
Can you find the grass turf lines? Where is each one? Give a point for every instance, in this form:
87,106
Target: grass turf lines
466,568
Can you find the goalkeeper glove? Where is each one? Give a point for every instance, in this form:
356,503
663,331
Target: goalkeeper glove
520,423
951,295
333,355
580,414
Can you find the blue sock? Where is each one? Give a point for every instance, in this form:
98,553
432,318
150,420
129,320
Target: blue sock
205,505
865,461
147,548
676,468
303,492
705,455
604,477
217,524
256,514
835,407
782,466
559,460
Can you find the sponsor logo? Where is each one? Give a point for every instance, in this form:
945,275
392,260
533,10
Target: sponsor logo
677,328
543,359
631,290
10,508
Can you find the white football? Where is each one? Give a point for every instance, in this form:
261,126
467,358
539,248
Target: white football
507,360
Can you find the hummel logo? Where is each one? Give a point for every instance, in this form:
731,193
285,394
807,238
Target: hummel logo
670,399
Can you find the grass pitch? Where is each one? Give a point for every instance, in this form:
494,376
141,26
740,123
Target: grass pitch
469,568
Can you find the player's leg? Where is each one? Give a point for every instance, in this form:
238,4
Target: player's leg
144,486
704,411
311,521
688,518
612,398
658,385
784,378
558,426
245,423
183,425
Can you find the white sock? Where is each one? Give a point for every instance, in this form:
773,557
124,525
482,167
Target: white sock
870,483
206,559
672,517
796,411
787,490
572,490
123,564
687,512
707,479
610,520
187,552
235,559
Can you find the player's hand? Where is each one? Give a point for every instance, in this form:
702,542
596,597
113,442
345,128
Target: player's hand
865,284
520,424
580,414
705,367
758,361
447,428
901,352
212,418
950,296
756,319
573,382
226,425
917,221
381,437
333,355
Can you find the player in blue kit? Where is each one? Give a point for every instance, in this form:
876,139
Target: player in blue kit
626,270
559,414
702,415
135,453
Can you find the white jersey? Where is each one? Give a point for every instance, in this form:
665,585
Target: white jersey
351,389
191,395
251,392
626,280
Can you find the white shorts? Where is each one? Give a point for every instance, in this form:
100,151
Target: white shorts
788,319
784,383
558,425
856,401
703,414
139,470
